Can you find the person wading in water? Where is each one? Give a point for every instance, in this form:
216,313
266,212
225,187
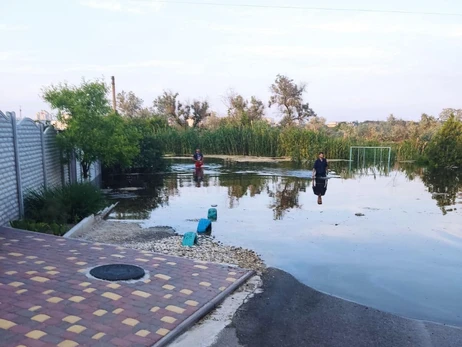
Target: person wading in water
320,169
198,174
198,158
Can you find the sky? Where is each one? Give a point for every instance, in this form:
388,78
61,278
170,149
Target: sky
356,65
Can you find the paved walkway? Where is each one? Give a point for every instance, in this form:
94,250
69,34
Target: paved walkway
47,298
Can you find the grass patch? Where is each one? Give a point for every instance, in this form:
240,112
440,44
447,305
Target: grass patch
53,228
52,210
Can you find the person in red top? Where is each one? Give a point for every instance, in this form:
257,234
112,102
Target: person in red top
198,158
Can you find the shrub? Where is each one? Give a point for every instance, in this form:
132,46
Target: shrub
63,205
53,228
445,148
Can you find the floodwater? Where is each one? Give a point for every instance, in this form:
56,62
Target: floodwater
402,254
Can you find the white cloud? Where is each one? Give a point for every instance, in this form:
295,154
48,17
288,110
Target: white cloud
5,56
17,56
356,70
233,29
128,6
7,27
287,52
177,67
169,64
379,26
455,31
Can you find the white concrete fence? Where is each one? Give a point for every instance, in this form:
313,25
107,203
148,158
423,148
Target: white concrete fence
29,160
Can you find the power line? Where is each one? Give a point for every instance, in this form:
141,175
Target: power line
305,8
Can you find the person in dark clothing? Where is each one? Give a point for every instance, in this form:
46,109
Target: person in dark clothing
320,170
198,158
320,166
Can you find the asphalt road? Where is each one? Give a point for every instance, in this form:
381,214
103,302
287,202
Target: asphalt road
290,314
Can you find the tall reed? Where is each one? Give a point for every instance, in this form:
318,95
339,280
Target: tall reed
261,139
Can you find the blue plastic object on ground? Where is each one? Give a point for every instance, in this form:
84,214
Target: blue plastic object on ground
189,239
212,214
204,226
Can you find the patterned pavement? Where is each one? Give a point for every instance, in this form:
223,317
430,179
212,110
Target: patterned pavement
47,299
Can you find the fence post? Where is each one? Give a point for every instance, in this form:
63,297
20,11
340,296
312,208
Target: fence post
17,164
389,157
351,154
42,140
73,169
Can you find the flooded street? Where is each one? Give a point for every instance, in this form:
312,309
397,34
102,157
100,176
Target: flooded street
389,239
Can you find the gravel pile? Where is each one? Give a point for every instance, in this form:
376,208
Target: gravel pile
207,249
164,240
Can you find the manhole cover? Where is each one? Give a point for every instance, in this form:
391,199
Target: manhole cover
117,272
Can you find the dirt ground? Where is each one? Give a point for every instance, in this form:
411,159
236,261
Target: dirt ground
241,158
123,233
247,159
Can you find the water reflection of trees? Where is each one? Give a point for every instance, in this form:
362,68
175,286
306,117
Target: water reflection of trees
155,190
285,195
139,194
284,192
240,185
445,187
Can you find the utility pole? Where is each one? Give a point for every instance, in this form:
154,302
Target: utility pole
114,102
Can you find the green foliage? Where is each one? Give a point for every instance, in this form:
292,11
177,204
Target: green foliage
244,112
117,142
179,113
445,148
62,205
92,132
289,98
151,155
53,228
258,139
150,147
444,185
129,105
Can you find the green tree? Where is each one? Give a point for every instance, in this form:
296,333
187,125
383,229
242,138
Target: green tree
445,148
316,124
150,157
288,96
242,111
168,105
129,105
92,132
199,111
256,109
448,112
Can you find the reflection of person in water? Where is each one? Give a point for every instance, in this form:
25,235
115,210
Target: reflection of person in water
320,169
198,176
198,158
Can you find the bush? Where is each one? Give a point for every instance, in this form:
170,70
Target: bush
445,148
53,228
68,204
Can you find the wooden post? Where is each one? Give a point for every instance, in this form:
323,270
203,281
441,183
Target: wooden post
114,102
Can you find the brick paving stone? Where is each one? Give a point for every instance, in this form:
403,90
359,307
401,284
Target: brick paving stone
43,275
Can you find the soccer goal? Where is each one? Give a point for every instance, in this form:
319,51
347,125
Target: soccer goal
367,155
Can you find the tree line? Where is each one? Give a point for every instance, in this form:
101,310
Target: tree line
136,136
286,95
